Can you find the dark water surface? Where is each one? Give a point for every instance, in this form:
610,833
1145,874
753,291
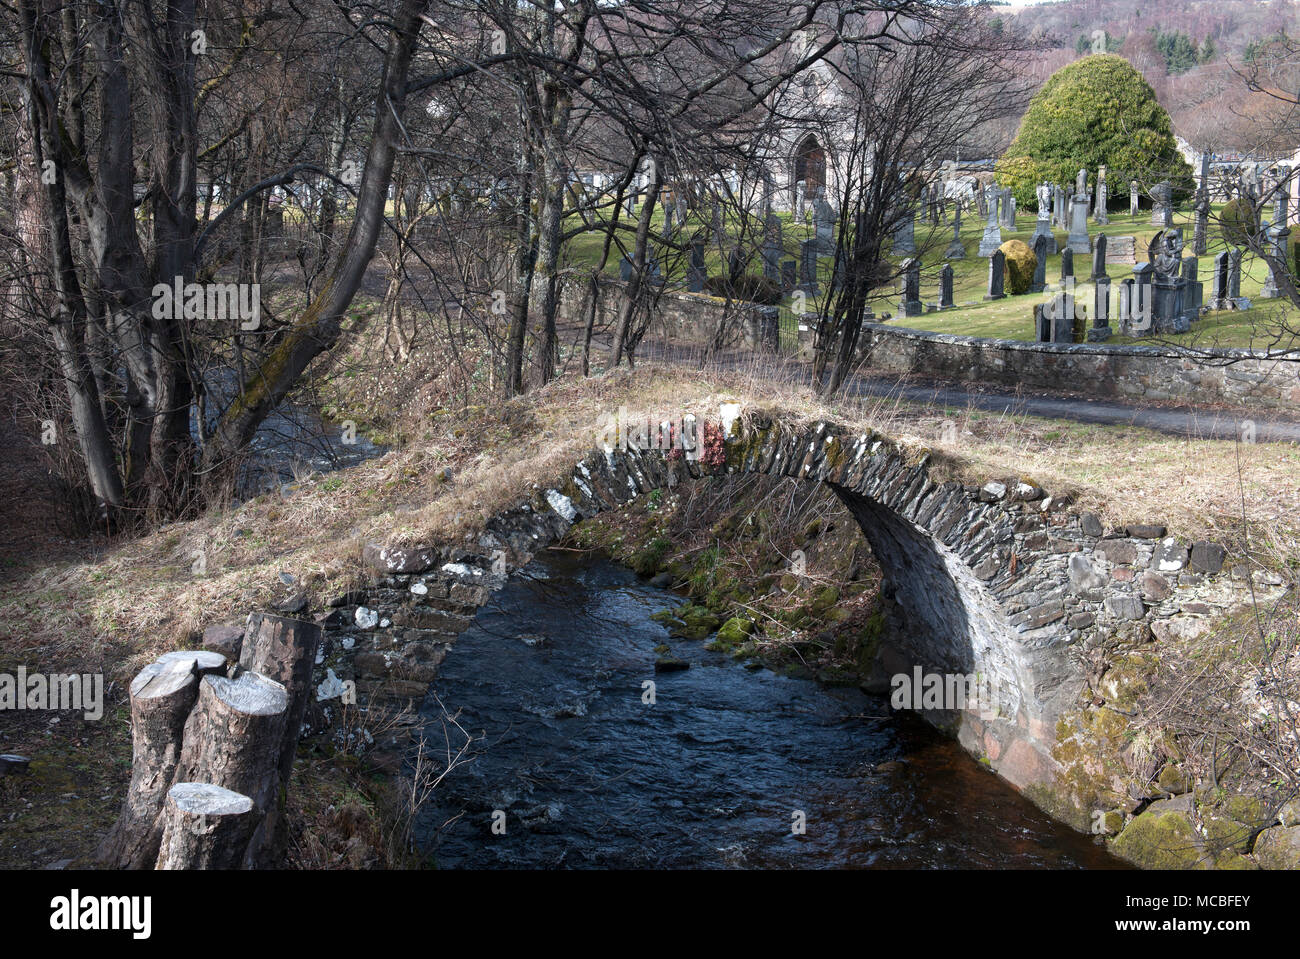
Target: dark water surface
549,682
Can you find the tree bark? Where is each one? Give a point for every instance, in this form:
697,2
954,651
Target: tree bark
162,695
205,827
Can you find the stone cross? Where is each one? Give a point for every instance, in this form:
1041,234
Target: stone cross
956,250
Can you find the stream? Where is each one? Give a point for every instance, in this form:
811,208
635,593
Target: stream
576,770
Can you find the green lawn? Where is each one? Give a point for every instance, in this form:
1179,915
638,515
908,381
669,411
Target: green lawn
1012,317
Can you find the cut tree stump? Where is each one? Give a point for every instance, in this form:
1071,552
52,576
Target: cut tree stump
284,650
233,735
162,695
205,827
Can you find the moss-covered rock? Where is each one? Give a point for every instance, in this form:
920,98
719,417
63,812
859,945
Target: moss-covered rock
1278,847
1161,838
824,601
733,633
1021,263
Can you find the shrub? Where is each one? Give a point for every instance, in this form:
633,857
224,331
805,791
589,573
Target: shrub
1021,263
752,287
1096,111
1238,221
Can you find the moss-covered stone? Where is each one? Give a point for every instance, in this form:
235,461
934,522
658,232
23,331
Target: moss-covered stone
1021,263
733,633
1161,838
824,600
1278,847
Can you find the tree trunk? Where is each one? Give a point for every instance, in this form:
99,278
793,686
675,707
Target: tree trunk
162,695
233,739
205,827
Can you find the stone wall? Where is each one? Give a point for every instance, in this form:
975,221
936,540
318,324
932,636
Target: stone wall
687,318
1150,373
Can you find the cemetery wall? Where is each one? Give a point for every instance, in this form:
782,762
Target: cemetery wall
1151,373
686,318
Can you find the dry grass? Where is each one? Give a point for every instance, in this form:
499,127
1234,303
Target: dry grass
140,597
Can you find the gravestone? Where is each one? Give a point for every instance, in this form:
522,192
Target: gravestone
912,288
997,276
1141,317
1099,213
1042,322
992,231
1169,306
735,264
788,272
956,250
945,287
904,241
1195,289
1100,330
1278,234
799,199
1132,197
1008,210
695,271
1061,208
1067,265
1276,237
1054,320
1162,213
823,227
1040,266
1081,183
1202,207
1124,301
772,259
670,210
981,202
717,220
1043,224
1238,301
1219,283
1078,239
808,267
1099,257
625,268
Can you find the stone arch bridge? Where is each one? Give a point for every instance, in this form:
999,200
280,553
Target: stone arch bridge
1001,580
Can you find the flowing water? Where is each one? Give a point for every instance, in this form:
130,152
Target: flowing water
715,773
